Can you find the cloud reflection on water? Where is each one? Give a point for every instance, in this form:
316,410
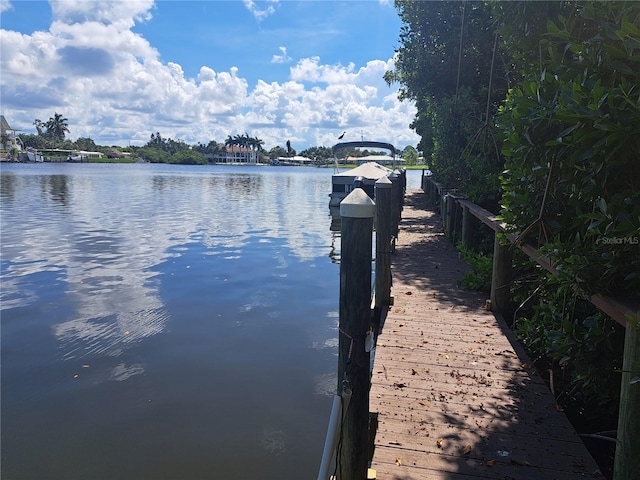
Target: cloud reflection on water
105,232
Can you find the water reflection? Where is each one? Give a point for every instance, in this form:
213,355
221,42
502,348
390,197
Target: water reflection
56,186
166,284
105,246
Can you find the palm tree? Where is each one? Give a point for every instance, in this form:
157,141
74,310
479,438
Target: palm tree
256,145
230,141
57,127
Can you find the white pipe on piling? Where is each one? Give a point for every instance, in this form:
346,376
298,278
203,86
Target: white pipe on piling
338,410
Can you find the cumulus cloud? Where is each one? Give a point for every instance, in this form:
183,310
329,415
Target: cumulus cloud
123,14
113,86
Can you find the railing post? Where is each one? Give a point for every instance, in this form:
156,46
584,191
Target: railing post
501,276
627,460
384,235
356,212
448,215
467,227
396,187
456,220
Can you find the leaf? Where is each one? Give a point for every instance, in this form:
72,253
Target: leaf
398,461
467,448
602,204
440,442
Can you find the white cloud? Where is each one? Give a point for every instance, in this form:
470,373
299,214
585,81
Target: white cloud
260,13
122,14
5,5
283,58
112,85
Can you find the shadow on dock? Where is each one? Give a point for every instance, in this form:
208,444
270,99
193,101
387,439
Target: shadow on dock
456,396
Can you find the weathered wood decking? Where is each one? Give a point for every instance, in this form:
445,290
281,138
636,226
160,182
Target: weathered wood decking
456,396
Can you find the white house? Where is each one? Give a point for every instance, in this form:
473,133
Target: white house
234,155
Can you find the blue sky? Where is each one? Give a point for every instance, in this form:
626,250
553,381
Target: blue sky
202,70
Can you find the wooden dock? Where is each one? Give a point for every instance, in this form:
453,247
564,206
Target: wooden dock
456,396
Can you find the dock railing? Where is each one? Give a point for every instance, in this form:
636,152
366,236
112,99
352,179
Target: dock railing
460,217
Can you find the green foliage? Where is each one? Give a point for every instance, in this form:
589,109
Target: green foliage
154,155
579,342
410,155
482,265
86,144
57,127
166,145
445,65
570,132
34,141
428,64
188,157
571,135
320,155
464,155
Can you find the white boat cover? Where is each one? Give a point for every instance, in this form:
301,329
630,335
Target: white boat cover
371,170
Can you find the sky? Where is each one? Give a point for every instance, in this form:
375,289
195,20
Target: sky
303,71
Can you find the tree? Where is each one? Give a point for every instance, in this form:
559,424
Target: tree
40,126
276,152
320,155
444,45
57,127
445,65
290,151
33,141
410,154
87,144
457,61
572,143
231,141
570,134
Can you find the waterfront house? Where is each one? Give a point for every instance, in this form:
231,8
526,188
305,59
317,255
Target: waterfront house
234,155
8,134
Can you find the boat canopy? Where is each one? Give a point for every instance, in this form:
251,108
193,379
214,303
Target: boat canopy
365,144
370,170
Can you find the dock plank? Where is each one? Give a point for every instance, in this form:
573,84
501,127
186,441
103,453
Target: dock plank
456,396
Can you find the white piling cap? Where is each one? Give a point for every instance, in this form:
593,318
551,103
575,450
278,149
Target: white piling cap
383,182
357,205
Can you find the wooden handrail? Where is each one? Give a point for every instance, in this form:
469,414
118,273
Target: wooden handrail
617,308
625,311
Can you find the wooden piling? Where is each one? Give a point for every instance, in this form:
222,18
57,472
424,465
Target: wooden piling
627,460
384,236
356,212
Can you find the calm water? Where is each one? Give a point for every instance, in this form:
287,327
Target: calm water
165,322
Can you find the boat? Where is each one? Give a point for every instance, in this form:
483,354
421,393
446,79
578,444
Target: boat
363,176
34,156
